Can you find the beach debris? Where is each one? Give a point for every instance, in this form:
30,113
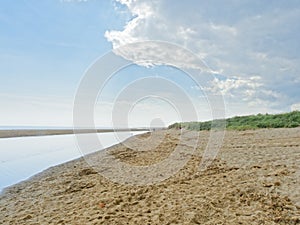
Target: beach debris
277,183
79,186
101,205
27,217
87,171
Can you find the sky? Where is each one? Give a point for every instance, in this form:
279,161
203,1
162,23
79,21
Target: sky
251,47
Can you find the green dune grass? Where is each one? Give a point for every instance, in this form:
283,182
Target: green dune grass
284,120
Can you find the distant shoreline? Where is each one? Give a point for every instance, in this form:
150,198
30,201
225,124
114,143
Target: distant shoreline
11,133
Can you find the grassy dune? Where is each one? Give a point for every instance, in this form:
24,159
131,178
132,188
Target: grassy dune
284,120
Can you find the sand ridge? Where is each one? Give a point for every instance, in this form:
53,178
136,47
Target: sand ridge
254,180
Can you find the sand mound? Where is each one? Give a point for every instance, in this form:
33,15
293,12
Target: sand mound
254,180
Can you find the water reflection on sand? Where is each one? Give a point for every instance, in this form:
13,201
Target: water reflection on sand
23,157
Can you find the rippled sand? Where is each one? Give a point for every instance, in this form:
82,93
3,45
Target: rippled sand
254,180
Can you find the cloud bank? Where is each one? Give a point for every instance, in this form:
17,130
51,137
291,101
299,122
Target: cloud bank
253,45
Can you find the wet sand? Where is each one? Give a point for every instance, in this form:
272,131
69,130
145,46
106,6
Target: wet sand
254,180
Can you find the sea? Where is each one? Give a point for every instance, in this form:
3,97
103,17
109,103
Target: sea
23,157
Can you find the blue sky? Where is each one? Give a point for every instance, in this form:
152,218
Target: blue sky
46,46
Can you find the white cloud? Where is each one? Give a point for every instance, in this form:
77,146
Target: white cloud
141,11
295,106
225,30
238,39
249,91
228,87
149,53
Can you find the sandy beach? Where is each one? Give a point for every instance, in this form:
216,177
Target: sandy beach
254,180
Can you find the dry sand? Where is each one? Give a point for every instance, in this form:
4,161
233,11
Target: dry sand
254,180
